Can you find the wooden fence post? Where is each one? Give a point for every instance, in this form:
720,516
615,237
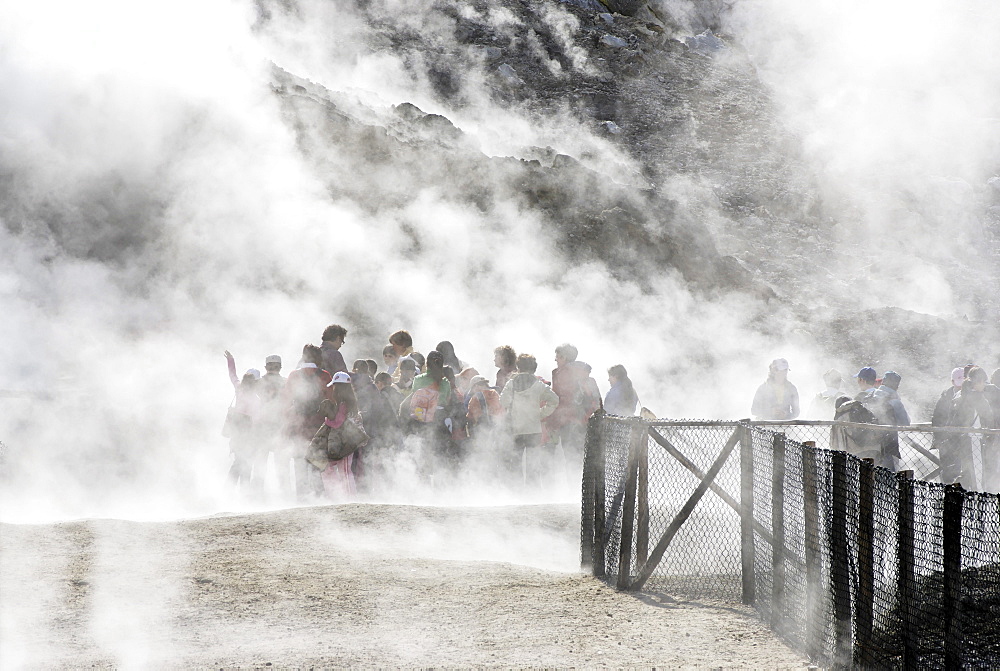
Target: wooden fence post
600,497
642,494
813,543
589,494
778,531
864,598
628,519
746,516
840,573
954,497
906,585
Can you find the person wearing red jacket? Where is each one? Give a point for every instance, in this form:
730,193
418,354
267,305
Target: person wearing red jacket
579,398
305,390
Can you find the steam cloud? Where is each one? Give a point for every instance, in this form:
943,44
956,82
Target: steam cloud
158,207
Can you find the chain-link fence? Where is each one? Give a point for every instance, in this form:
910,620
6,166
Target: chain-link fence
852,563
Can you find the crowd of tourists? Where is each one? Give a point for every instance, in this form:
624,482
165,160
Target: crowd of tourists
331,431
971,401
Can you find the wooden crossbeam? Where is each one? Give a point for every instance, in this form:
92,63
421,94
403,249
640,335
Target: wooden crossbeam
761,530
661,547
923,451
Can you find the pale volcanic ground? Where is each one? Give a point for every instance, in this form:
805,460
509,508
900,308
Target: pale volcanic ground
356,585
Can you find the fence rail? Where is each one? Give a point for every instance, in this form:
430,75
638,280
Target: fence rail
851,563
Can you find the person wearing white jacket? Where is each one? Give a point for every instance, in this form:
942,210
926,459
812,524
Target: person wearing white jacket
527,401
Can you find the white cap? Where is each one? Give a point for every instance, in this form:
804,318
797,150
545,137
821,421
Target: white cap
274,358
340,378
779,364
254,372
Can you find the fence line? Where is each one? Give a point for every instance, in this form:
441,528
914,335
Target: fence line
851,563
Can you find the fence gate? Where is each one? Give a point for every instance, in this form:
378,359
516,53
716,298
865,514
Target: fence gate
852,564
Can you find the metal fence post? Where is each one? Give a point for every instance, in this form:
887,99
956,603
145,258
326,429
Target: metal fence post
864,598
954,497
813,543
906,586
840,575
746,514
778,531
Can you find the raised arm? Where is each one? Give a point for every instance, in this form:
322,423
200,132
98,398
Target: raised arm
231,362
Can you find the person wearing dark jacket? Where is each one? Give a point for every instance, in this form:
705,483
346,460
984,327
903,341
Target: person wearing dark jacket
621,398
334,337
304,391
972,409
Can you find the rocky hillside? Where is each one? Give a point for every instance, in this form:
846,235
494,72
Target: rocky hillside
722,192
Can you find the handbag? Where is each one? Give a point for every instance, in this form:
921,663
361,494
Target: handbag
316,452
346,440
236,422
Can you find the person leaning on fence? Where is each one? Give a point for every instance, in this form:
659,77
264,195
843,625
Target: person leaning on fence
972,409
621,399
777,398
942,417
527,402
885,444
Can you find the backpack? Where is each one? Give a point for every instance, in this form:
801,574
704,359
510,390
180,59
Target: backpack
306,400
854,411
485,416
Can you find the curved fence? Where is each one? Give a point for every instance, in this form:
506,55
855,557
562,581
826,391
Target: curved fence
851,563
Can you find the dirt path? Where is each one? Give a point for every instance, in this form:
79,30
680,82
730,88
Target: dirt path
352,585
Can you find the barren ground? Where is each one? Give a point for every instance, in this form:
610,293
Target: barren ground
351,585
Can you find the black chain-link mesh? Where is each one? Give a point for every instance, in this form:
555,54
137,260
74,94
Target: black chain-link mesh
873,569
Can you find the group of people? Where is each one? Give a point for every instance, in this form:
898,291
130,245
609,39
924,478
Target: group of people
972,400
332,431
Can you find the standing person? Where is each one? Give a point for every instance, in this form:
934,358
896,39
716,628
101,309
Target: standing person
942,417
390,359
407,370
887,395
402,346
578,397
505,359
337,476
485,424
430,413
884,444
450,358
244,441
621,398
777,398
971,408
527,401
334,337
305,390
824,404
271,384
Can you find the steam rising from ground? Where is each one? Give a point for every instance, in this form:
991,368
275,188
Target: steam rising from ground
157,210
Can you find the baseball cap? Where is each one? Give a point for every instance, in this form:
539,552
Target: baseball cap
254,372
274,358
867,374
478,379
779,364
341,378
